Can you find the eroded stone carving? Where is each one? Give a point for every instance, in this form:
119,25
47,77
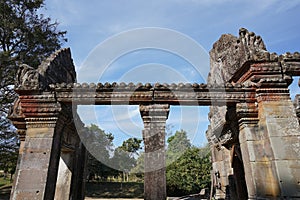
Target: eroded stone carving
58,68
27,78
230,53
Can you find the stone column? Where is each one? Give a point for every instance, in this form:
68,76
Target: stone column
221,170
154,118
64,177
18,119
269,139
278,124
39,152
79,175
250,141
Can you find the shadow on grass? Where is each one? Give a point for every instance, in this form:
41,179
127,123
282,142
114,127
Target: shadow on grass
99,190
5,192
114,190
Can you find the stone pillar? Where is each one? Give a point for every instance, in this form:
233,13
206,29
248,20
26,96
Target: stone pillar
39,152
269,139
79,175
19,122
154,118
250,141
221,170
278,124
64,177
37,170
71,173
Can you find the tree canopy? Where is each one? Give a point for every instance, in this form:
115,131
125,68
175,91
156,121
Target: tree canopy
100,148
106,161
26,36
188,167
190,173
177,145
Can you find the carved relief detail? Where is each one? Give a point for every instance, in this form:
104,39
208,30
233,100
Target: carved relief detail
57,68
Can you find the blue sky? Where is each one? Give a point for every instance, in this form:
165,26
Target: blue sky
90,24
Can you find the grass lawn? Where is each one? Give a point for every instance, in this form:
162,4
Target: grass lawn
114,190
4,181
94,190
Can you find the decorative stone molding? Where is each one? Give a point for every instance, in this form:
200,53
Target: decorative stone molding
173,94
141,87
147,110
41,122
27,78
247,114
272,94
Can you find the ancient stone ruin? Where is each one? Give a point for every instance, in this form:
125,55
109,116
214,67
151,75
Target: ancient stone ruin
254,128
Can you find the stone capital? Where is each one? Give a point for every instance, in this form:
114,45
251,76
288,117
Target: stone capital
154,110
154,116
247,114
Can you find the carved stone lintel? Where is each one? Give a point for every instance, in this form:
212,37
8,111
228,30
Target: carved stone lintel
39,106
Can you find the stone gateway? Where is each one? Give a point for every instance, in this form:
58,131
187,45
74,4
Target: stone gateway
254,132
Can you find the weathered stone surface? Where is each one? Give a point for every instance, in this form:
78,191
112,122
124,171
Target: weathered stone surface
64,177
58,68
268,126
230,53
288,171
37,156
221,171
154,118
297,104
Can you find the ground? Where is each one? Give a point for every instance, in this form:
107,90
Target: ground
107,191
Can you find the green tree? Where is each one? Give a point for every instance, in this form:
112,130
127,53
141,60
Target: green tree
25,37
177,145
100,148
9,147
124,156
131,145
139,168
190,173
